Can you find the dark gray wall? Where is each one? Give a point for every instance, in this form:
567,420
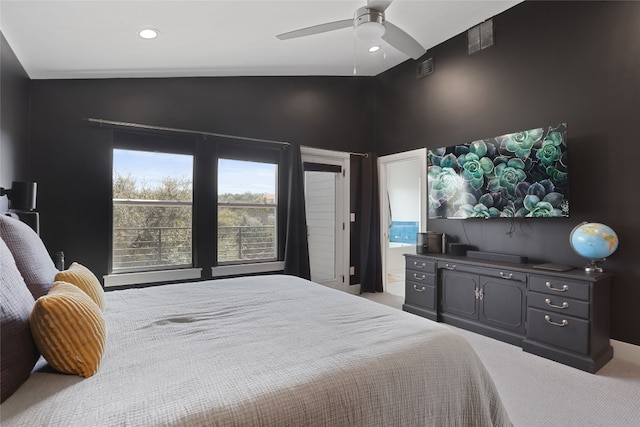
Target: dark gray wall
574,62
14,119
71,160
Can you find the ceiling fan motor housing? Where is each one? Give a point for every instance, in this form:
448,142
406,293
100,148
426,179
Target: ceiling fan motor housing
368,23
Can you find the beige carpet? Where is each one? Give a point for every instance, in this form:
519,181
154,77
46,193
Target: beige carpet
540,392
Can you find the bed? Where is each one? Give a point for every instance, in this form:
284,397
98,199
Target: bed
269,350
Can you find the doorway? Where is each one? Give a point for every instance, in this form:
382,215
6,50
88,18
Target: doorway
326,183
403,199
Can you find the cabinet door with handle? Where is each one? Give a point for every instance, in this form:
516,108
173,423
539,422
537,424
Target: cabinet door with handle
503,303
460,293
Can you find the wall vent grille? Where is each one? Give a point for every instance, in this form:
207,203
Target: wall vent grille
425,68
480,37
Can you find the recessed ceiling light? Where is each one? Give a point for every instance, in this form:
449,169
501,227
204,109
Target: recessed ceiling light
374,48
148,33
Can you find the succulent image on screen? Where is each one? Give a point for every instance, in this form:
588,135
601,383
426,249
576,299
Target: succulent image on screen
521,174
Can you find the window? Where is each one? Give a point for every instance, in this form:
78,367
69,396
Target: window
152,211
247,211
186,208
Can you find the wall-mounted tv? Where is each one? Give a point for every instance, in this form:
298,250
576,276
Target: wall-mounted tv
518,175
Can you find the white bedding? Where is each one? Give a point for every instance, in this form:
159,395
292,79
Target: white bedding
264,351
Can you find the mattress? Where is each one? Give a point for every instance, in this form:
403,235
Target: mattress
264,351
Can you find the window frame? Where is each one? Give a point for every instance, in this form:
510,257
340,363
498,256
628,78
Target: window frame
206,153
274,205
254,152
153,143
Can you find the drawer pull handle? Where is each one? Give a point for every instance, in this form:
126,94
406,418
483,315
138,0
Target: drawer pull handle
564,304
450,266
421,277
564,288
415,288
506,276
419,264
564,323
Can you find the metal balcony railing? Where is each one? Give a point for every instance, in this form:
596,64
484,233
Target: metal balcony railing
136,248
143,248
161,247
149,248
247,243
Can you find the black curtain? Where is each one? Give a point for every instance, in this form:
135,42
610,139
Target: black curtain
296,250
370,251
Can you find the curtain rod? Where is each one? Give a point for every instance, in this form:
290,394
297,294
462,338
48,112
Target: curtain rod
193,132
177,130
358,154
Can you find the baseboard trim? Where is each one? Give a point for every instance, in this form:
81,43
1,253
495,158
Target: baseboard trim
625,351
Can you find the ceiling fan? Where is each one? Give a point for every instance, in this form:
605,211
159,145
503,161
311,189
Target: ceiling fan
368,23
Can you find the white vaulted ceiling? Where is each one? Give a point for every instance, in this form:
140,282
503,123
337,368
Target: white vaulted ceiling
98,39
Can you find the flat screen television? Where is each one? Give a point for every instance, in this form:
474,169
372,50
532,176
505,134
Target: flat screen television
518,175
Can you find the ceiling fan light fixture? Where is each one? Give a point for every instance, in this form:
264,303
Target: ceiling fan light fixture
370,31
368,24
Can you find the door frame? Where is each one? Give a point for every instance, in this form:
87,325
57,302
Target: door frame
385,220
342,159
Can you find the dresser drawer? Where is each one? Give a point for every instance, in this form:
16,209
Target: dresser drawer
420,278
420,294
421,264
452,265
559,330
505,274
557,286
559,304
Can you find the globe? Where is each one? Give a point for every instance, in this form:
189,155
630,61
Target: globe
595,242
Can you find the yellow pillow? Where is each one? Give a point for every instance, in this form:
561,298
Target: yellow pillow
82,277
69,330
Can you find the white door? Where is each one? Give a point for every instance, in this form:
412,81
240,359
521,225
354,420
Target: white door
403,204
326,182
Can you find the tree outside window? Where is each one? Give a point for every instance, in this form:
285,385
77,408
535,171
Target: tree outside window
247,211
152,210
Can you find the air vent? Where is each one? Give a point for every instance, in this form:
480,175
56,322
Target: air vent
425,68
480,37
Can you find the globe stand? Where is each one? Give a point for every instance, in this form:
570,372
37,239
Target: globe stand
595,242
594,266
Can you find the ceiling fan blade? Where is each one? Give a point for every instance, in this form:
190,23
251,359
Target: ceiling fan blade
380,5
402,41
316,29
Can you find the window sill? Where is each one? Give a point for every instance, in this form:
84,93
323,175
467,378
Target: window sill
122,279
232,270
